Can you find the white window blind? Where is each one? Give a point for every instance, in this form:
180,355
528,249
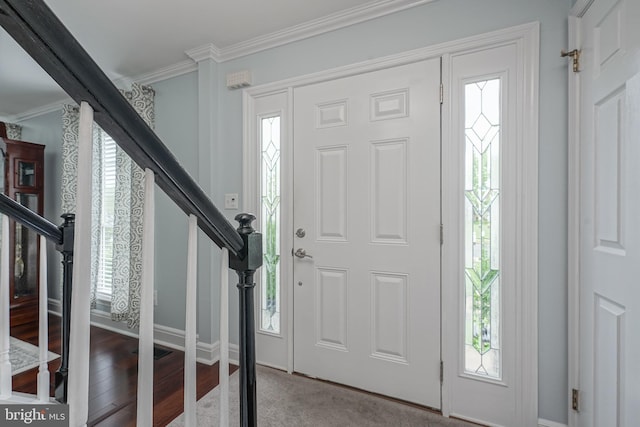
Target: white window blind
105,273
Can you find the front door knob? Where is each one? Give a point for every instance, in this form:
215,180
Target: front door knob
301,253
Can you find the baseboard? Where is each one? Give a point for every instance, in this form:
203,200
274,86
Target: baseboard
55,307
547,423
162,335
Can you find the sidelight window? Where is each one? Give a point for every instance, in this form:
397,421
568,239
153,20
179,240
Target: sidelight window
270,223
482,335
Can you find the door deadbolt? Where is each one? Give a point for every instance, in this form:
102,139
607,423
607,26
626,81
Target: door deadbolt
301,233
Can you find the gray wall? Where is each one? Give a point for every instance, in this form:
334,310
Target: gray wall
177,124
423,26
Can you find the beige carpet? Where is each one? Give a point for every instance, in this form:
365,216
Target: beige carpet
290,400
25,356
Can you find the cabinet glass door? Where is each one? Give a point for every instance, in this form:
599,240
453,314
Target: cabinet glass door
25,269
26,174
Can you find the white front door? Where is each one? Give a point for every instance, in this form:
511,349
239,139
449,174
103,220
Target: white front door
609,117
367,215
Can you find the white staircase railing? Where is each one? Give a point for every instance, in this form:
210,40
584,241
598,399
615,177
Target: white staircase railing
34,26
7,395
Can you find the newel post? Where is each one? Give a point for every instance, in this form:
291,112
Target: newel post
66,248
245,264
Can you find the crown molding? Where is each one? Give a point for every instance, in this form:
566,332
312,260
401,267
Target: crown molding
207,51
175,70
39,111
210,51
315,27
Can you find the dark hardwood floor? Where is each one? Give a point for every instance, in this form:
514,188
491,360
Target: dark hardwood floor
113,377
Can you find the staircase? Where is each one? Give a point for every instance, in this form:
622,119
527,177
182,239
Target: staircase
41,34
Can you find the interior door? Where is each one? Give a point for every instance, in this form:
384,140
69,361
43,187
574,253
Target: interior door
609,213
367,245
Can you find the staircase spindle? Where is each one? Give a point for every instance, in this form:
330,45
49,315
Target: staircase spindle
43,331
5,326
190,325
79,339
145,340
224,338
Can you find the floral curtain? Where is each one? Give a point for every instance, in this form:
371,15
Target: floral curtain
14,131
127,233
70,125
127,244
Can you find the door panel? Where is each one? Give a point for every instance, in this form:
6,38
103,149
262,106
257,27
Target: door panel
609,208
367,194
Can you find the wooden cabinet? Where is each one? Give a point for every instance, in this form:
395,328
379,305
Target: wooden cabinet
24,182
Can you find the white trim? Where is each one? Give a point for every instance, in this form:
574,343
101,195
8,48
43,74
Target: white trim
403,58
302,31
206,51
573,226
175,70
580,7
55,306
42,110
547,423
165,73
167,337
527,38
318,26
525,268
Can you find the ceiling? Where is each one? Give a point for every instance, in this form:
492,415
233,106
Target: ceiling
129,39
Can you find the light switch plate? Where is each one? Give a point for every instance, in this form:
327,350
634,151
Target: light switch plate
231,201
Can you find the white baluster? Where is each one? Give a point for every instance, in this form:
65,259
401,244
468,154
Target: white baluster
190,325
43,331
224,338
5,360
145,341
79,337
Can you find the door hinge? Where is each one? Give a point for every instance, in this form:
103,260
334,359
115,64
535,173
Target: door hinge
441,372
575,56
441,93
441,234
575,396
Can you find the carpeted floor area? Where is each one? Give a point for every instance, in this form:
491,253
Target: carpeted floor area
291,400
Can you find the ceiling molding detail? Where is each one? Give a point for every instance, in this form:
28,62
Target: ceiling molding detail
40,111
210,51
207,51
182,67
315,27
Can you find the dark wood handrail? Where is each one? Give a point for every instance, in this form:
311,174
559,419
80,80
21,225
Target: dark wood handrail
30,219
41,34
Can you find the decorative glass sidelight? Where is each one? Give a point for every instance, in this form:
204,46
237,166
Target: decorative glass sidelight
270,224
482,229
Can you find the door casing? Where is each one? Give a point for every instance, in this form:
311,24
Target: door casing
526,37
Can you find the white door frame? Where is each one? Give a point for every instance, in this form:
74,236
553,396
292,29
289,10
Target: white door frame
573,212
526,37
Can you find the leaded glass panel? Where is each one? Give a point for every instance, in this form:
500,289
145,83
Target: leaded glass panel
482,291
270,224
